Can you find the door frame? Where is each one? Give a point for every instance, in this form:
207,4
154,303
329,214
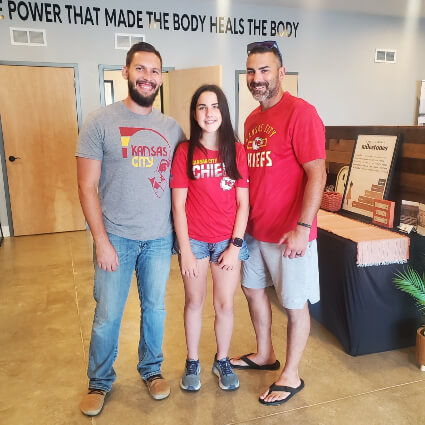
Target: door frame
102,69
2,153
7,228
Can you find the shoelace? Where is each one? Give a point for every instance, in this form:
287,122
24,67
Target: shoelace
191,367
225,366
96,391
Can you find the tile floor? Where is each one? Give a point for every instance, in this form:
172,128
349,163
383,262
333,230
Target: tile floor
46,311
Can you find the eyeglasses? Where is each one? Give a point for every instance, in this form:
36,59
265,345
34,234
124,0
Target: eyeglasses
267,44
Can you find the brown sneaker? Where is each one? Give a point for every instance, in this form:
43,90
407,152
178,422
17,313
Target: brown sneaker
158,387
92,403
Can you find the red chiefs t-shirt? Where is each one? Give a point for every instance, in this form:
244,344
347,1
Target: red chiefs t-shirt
277,142
211,197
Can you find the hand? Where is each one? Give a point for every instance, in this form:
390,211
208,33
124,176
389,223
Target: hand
107,257
189,265
229,258
296,242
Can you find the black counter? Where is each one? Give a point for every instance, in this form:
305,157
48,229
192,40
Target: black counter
361,306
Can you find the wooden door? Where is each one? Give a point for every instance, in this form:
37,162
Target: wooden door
247,103
179,89
39,120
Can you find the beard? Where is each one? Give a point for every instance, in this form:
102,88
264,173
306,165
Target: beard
271,89
137,97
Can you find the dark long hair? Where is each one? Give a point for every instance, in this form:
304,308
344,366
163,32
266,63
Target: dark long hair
226,136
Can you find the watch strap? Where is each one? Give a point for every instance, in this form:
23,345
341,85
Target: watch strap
238,242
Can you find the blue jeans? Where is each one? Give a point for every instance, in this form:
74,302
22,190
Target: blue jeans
151,261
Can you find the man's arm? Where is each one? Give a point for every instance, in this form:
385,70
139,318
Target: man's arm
88,175
296,240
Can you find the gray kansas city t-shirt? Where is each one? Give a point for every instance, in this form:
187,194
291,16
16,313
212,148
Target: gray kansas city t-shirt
136,153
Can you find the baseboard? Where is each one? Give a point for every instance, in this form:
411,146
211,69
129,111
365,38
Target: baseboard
6,231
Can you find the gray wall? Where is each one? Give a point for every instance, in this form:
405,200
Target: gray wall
333,54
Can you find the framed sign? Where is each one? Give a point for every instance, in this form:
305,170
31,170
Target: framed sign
383,213
371,168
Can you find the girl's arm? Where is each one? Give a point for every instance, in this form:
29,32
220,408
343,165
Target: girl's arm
230,257
188,262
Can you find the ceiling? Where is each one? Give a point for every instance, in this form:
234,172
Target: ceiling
401,8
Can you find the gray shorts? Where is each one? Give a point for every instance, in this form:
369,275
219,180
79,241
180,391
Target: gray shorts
296,280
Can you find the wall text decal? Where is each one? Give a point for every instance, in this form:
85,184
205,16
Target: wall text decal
153,20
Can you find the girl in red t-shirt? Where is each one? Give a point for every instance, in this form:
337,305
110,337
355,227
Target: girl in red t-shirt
209,178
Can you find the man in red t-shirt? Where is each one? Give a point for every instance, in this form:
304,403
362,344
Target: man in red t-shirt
285,146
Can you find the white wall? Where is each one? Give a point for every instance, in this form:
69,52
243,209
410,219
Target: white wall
333,54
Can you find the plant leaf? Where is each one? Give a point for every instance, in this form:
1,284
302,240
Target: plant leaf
412,283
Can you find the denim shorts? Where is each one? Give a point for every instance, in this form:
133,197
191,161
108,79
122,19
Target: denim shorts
213,250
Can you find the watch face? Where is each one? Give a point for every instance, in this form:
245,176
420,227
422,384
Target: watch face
237,242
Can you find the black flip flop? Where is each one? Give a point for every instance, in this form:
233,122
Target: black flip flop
254,366
292,391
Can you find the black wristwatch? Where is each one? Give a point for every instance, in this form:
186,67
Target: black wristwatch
237,242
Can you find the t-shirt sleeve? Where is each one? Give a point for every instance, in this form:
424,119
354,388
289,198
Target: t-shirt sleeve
242,165
90,140
308,135
179,177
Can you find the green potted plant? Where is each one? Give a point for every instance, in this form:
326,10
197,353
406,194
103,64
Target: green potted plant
411,282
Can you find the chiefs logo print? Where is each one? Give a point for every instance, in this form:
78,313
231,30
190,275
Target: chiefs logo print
257,143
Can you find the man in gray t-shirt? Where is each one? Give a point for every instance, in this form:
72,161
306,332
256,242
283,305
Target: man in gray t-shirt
124,157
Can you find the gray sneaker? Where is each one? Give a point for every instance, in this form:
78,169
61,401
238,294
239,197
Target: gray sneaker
227,379
190,380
